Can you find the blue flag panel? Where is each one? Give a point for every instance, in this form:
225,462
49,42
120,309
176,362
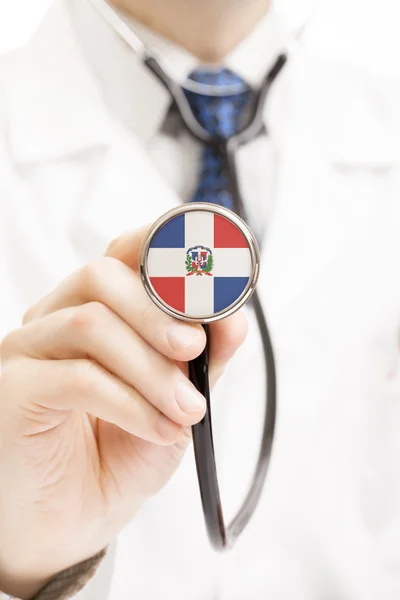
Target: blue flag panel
227,290
170,235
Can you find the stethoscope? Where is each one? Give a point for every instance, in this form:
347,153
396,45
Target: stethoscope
221,536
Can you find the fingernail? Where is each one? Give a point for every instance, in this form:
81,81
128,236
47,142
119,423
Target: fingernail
168,429
181,336
188,398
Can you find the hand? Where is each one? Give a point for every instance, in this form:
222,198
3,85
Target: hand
95,414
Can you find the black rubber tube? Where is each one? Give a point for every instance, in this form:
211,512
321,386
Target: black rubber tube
222,537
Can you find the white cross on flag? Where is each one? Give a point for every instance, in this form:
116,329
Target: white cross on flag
199,263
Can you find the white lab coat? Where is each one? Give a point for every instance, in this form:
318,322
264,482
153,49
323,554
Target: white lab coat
328,526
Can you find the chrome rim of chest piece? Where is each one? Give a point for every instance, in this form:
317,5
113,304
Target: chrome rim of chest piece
199,262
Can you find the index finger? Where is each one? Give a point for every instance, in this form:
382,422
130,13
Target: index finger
227,335
126,247
111,281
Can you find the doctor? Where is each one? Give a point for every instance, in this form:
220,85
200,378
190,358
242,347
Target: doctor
95,414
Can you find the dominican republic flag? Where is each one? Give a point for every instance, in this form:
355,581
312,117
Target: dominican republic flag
199,263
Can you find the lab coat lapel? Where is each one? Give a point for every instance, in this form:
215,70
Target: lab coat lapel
316,215
54,104
120,198
69,128
304,233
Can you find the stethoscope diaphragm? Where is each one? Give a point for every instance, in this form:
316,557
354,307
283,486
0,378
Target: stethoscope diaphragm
199,262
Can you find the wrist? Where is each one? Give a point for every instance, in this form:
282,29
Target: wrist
24,578
21,585
23,572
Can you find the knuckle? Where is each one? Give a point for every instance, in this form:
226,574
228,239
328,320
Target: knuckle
96,312
127,398
83,378
30,314
9,343
94,275
90,278
87,318
149,315
124,247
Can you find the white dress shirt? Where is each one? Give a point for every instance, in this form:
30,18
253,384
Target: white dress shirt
251,60
85,154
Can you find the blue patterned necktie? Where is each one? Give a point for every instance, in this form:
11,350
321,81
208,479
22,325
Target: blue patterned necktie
220,115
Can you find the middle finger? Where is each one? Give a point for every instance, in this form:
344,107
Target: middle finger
94,331
117,286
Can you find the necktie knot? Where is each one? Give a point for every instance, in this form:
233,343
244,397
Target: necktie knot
221,114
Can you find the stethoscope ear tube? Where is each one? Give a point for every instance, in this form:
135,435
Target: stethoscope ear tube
255,122
223,537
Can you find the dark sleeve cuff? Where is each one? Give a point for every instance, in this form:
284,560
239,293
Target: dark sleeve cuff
69,582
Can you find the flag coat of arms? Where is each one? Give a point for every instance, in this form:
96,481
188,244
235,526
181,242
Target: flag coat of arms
199,263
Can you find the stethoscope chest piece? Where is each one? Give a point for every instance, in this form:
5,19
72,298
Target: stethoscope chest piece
199,262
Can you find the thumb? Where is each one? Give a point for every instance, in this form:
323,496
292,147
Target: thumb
126,247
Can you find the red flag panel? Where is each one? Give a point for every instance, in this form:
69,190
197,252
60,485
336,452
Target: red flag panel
171,290
227,235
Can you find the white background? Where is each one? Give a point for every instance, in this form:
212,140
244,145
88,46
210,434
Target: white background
365,32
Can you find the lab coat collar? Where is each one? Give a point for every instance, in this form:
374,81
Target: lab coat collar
57,103
76,66
53,105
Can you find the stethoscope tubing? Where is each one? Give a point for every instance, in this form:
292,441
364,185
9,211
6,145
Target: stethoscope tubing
221,536
248,133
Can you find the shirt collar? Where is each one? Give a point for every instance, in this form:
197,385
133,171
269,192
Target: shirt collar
121,74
